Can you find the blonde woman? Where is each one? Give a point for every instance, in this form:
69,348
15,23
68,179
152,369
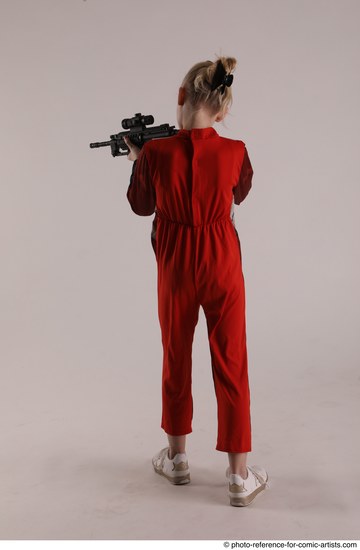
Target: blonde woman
191,181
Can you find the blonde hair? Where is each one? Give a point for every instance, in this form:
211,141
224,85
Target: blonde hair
197,83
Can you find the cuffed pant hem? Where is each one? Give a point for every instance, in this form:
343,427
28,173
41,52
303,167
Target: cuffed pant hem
231,449
177,432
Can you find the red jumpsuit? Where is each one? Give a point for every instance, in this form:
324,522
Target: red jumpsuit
191,181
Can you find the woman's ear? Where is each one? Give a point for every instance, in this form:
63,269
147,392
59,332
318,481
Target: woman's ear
181,96
222,115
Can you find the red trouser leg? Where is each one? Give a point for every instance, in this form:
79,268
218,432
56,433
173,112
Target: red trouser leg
178,310
221,291
225,317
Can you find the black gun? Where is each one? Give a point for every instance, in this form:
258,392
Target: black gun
137,132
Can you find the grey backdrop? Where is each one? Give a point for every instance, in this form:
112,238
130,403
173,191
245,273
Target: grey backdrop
81,353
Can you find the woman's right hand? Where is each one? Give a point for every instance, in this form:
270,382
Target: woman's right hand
134,150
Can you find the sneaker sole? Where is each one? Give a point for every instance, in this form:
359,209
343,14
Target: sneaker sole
180,480
245,501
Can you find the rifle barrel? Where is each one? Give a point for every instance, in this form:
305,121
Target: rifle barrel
100,144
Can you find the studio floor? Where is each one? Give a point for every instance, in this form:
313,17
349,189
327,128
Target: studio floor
74,466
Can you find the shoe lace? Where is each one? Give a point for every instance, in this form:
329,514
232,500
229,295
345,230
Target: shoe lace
162,457
258,480
256,476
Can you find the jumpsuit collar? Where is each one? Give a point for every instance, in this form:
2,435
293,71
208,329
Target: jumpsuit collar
198,133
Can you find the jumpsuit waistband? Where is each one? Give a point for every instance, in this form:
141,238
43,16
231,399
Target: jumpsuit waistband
224,218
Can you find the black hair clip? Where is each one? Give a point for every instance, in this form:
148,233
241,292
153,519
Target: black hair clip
221,78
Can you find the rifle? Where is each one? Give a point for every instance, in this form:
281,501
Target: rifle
137,132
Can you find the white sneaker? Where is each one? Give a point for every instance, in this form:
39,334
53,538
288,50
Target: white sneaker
175,470
243,491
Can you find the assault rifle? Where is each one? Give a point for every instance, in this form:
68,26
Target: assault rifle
137,132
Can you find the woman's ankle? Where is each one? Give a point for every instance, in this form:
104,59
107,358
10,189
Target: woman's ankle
172,453
243,473
237,463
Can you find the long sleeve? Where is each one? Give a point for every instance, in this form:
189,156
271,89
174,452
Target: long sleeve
141,192
245,180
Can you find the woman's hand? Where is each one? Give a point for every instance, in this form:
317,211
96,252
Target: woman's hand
134,150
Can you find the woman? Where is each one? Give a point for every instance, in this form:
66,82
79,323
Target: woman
192,181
